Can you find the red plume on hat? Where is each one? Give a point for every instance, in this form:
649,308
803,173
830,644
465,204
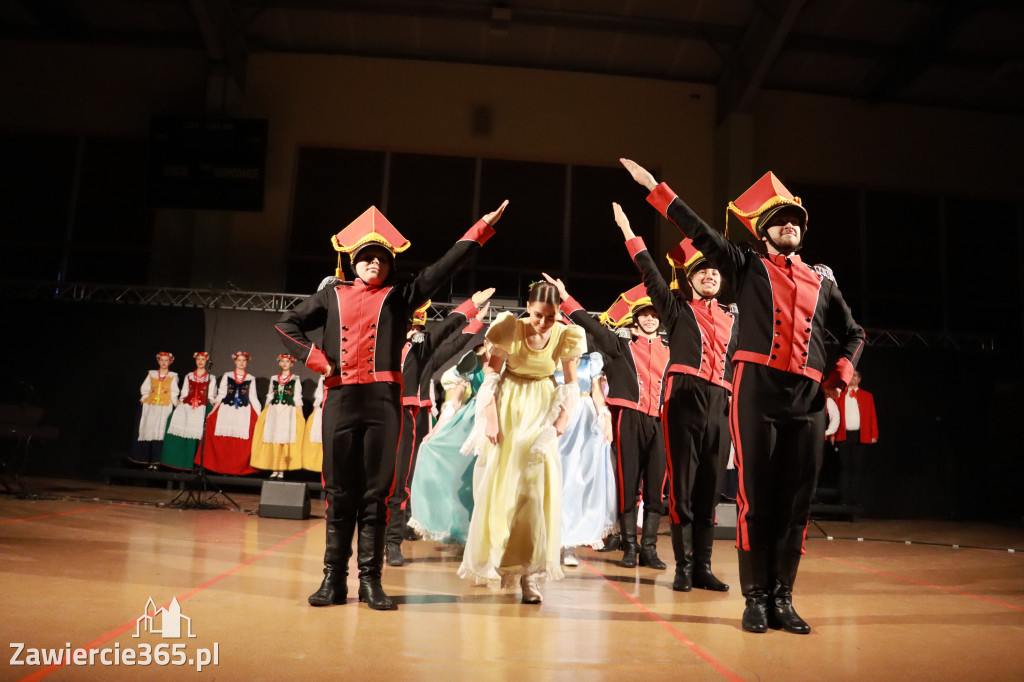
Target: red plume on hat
764,198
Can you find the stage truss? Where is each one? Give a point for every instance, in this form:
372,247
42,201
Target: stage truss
277,302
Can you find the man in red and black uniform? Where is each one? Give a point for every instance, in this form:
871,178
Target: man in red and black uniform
420,347
858,428
364,325
635,362
694,413
777,417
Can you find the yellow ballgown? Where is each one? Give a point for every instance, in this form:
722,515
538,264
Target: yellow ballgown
515,529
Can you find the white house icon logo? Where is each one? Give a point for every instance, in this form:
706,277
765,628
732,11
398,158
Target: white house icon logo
170,621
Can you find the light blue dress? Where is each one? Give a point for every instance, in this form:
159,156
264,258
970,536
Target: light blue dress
588,479
442,489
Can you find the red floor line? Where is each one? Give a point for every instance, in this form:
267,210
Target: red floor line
47,516
129,625
919,582
722,669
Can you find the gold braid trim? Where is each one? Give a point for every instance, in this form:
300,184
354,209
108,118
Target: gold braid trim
771,203
372,237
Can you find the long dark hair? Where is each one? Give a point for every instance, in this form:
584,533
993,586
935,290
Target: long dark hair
544,292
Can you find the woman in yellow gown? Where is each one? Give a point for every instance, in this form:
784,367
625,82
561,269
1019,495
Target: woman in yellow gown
514,532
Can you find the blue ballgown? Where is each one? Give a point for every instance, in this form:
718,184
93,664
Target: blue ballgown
588,479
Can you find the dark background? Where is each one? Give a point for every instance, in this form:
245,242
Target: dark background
946,446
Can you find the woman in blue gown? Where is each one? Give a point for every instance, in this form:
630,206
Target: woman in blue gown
588,479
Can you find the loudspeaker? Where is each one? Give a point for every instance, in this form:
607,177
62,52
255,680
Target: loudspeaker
280,500
725,515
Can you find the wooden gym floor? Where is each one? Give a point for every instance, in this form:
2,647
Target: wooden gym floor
79,564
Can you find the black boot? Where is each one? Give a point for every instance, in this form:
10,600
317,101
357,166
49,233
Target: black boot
393,551
407,532
611,543
682,548
333,589
370,560
703,542
754,583
649,542
393,538
783,616
627,526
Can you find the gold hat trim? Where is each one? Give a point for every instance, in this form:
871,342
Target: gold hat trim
771,203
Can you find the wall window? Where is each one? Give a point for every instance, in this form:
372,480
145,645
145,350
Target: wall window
559,220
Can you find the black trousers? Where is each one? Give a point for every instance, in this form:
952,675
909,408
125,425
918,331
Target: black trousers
361,426
414,424
851,467
777,421
639,460
695,417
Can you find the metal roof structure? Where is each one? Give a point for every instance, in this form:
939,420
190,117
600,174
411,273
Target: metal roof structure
937,53
278,302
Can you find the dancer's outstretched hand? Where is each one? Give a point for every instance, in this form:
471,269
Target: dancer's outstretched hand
481,297
493,216
562,292
622,221
640,174
482,314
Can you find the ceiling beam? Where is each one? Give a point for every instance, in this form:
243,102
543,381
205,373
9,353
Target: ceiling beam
482,13
904,64
223,37
752,58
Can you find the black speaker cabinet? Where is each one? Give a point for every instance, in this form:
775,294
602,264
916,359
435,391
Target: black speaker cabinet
725,514
281,500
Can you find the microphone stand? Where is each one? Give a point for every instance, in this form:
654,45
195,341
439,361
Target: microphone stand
200,485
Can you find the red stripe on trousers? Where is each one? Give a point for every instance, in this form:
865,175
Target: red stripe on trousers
618,456
394,476
672,516
742,532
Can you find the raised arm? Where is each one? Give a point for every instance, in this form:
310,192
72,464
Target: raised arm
444,350
457,320
719,251
665,302
605,340
434,275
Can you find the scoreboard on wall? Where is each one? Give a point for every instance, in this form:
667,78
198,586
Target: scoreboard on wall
207,163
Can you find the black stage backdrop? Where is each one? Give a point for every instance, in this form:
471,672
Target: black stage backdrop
947,419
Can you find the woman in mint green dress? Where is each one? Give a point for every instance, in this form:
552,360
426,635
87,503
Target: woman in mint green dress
442,490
